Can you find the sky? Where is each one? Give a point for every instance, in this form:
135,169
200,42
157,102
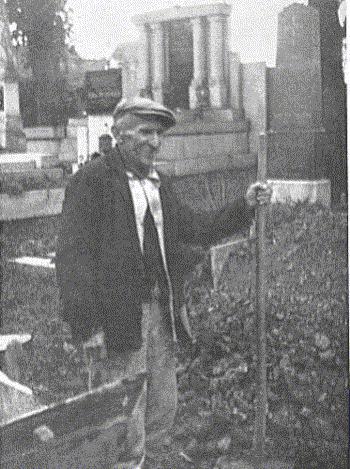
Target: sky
100,26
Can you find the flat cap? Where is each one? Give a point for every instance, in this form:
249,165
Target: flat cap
145,107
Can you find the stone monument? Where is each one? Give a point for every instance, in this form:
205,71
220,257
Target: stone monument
185,49
333,94
296,98
12,137
296,141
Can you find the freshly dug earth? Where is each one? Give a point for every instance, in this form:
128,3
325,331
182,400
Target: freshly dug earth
307,346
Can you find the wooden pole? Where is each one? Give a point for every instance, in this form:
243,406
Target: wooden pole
261,402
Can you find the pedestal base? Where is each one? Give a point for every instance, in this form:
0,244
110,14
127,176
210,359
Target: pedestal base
218,94
192,91
197,100
157,93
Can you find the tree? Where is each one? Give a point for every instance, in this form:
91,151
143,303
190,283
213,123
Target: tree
42,27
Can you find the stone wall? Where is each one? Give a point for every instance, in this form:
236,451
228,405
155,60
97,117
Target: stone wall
201,143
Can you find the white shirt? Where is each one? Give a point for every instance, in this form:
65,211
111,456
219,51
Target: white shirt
145,192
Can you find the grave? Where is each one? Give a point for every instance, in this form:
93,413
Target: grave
297,138
296,98
333,94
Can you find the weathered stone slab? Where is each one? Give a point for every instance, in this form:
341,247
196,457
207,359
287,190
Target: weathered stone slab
219,256
286,191
31,204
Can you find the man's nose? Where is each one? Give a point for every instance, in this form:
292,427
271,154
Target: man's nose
155,140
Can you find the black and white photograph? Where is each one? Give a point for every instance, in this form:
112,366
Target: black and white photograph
174,234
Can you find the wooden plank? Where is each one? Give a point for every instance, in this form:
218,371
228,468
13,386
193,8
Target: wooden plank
85,431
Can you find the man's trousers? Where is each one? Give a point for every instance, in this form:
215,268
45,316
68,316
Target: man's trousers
155,410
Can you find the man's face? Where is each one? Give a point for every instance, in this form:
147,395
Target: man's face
138,141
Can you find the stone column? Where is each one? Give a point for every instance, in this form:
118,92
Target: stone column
217,84
158,61
199,61
144,62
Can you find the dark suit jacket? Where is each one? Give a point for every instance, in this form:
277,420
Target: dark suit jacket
99,262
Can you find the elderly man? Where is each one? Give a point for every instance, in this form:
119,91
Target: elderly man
121,265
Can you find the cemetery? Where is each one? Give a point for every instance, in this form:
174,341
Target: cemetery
222,107
307,333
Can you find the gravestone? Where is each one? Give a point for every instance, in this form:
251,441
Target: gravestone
296,113
333,93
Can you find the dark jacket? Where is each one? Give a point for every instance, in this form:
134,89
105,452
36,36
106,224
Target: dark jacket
99,262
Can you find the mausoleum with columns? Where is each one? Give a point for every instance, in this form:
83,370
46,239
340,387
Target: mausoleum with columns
185,55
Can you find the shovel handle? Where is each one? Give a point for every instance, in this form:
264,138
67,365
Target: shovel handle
261,403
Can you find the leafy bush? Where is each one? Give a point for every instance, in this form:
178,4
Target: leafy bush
306,337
